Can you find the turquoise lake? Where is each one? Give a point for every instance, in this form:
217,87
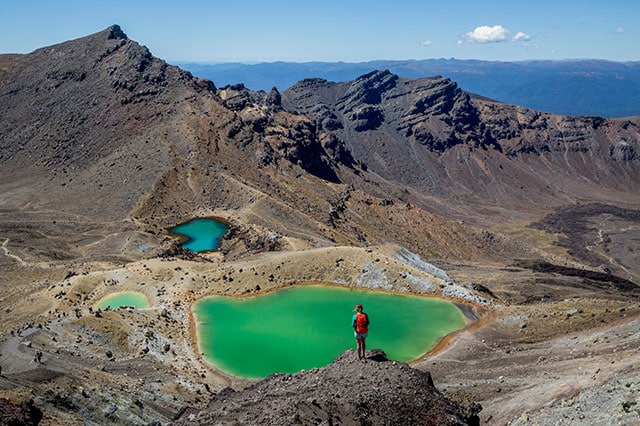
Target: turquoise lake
202,234
308,326
123,298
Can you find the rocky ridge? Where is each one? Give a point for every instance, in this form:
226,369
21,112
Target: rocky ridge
347,392
431,136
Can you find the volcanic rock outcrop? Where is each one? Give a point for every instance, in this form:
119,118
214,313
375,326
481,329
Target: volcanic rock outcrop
430,135
347,392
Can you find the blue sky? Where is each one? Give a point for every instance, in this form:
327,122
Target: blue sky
330,30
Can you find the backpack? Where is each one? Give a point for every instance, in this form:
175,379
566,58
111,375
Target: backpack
362,323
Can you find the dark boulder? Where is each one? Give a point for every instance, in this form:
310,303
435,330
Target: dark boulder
25,413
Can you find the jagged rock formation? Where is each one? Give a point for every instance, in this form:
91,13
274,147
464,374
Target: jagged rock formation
280,135
589,87
347,392
430,135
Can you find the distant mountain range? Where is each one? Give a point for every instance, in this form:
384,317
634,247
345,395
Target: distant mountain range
570,87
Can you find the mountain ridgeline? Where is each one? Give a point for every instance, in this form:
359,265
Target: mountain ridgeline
105,130
571,87
430,135
99,118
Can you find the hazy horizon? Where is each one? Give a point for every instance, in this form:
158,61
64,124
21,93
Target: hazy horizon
398,60
250,31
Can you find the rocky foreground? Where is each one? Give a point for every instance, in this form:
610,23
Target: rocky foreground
375,391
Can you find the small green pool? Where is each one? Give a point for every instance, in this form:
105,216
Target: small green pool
123,298
202,234
308,326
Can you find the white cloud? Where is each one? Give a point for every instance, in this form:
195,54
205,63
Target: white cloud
486,34
426,43
619,30
521,37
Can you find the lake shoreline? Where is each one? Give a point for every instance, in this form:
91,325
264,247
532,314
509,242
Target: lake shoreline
472,316
184,238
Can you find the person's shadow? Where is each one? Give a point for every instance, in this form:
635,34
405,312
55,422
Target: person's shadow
377,355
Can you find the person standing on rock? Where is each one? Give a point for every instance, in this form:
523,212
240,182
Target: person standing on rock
360,324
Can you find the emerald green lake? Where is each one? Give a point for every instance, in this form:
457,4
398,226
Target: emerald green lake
123,298
309,326
202,234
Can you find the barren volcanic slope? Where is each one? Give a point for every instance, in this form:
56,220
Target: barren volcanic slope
406,185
